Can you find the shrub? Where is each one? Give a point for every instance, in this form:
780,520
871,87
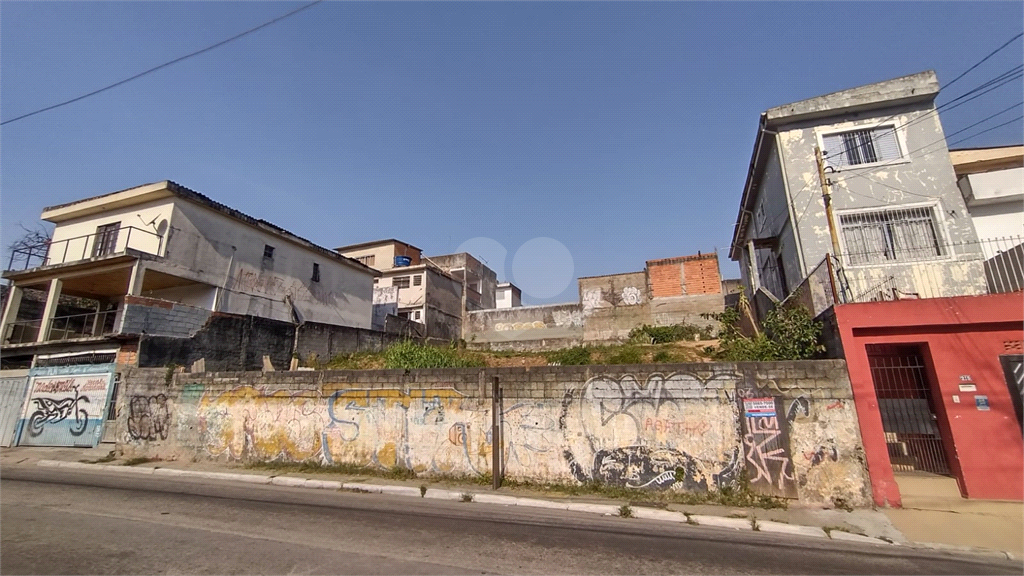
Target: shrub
648,334
409,354
788,334
576,356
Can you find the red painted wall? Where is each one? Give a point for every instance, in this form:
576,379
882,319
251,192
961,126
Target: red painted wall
958,336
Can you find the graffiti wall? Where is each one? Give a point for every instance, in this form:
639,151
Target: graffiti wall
695,427
65,406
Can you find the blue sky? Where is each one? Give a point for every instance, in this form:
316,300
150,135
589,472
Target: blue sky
619,131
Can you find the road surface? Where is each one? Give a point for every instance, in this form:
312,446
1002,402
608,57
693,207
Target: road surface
59,521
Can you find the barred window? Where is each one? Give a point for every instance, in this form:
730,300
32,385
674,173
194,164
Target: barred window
400,282
891,236
861,146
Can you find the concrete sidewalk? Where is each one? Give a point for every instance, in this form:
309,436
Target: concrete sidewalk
985,530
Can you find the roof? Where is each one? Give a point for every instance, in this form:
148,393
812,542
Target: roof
920,87
973,160
373,243
168,188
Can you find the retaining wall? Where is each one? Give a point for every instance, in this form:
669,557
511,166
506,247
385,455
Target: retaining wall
791,427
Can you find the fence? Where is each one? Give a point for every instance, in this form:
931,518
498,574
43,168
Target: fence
104,242
63,327
893,272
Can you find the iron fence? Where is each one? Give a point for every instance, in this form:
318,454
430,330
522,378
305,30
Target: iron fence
989,266
101,243
82,325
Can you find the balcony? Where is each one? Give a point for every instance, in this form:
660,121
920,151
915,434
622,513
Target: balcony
103,242
67,327
990,266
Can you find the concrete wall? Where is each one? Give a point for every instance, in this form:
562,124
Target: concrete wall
632,426
961,341
225,342
209,247
327,341
161,317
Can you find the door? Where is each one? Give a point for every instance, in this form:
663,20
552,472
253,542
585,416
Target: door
12,396
1013,369
106,239
908,410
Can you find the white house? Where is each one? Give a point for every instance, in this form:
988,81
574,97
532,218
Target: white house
163,241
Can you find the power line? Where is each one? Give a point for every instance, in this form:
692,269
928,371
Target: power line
980,62
999,81
165,64
964,73
989,129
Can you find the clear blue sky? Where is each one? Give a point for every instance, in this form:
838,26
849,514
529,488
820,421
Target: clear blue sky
620,130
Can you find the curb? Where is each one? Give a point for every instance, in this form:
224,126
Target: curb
639,512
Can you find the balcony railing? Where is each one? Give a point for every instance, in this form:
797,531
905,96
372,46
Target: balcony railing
101,243
63,327
991,266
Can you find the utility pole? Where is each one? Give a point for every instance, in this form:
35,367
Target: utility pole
826,194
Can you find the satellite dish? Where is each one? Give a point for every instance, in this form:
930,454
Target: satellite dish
161,227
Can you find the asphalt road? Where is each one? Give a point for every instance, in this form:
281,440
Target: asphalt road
62,522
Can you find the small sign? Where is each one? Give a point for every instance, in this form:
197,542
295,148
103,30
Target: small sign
965,378
759,406
956,399
968,388
982,403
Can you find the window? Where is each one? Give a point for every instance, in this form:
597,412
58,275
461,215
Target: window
268,252
366,260
400,282
417,280
417,315
106,239
861,146
316,272
890,236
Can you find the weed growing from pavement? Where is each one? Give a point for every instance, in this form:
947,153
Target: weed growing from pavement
625,511
466,497
136,461
110,457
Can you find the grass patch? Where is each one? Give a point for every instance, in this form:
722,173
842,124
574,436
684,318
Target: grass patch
625,511
465,497
139,460
314,467
576,356
411,355
626,355
423,490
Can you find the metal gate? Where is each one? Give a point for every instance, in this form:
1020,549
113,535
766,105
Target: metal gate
1013,369
12,396
908,412
66,405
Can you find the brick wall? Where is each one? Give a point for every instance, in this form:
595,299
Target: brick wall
696,274
623,425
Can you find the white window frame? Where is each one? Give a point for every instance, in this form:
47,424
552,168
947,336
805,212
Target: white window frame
938,219
901,142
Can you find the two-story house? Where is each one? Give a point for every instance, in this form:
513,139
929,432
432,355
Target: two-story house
852,208
165,242
899,226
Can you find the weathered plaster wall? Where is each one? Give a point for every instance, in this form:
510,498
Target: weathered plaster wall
923,177
634,426
211,248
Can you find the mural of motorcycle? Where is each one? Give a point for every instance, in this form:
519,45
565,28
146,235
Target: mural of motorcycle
51,411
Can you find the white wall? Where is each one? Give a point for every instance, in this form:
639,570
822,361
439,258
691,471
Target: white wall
210,247
69,234
198,295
